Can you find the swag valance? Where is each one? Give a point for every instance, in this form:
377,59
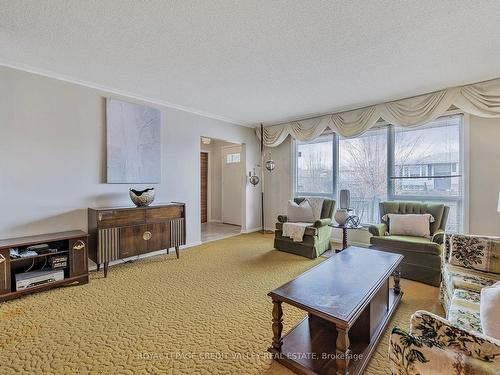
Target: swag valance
480,99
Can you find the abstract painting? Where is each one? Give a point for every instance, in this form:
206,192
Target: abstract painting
133,142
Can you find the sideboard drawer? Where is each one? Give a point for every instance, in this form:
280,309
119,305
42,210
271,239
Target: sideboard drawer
160,214
118,218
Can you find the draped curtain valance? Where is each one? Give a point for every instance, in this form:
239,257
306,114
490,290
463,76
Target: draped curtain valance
480,99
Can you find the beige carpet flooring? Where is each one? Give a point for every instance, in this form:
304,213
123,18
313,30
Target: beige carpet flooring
206,313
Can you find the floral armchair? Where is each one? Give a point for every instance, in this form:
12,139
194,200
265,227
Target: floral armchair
434,346
455,345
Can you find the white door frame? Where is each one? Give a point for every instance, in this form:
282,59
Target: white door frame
243,179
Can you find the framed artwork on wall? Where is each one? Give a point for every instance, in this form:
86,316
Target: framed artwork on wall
132,143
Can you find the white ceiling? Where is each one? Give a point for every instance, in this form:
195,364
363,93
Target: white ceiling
249,61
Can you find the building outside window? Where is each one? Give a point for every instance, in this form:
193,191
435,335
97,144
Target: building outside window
387,163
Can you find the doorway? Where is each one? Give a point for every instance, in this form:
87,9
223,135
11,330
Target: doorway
222,188
204,186
232,187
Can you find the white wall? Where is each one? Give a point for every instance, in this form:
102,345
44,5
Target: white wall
484,177
278,183
52,157
483,143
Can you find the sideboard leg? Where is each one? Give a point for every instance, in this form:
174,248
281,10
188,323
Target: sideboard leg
177,251
98,267
106,269
168,250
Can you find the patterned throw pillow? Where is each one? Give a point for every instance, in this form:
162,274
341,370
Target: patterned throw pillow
476,252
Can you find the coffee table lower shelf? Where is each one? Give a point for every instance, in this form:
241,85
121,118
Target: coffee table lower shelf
310,347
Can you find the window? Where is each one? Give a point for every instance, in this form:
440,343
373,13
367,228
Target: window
434,148
387,163
314,167
363,171
233,158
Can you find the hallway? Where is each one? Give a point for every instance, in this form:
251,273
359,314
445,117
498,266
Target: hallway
215,231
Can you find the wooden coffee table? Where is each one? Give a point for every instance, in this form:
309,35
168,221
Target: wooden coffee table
349,303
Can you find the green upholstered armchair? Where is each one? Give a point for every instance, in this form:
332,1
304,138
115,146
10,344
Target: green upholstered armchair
422,256
316,237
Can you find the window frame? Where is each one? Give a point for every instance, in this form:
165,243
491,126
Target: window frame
335,155
231,158
460,172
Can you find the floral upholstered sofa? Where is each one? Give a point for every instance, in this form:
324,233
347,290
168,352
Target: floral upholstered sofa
455,345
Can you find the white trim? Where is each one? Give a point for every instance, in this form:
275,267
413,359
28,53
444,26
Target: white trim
243,181
351,243
122,93
465,156
93,266
254,230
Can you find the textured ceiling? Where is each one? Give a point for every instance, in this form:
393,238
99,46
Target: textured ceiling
250,61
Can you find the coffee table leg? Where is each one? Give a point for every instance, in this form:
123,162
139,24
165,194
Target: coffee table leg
342,351
397,278
277,325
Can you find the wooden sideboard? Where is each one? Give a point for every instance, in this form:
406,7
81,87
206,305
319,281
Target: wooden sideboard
71,244
117,233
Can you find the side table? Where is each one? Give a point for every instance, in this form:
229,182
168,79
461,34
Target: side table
344,233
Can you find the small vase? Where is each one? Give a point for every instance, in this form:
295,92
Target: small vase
341,216
142,198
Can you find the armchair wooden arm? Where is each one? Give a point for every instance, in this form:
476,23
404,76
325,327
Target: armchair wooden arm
282,218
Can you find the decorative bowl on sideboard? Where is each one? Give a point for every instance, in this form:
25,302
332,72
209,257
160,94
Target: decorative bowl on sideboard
142,198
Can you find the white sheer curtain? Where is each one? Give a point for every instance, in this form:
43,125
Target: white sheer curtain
480,99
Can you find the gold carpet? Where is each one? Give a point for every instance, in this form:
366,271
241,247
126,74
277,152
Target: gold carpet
206,313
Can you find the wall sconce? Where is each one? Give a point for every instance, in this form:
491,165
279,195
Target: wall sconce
253,178
270,164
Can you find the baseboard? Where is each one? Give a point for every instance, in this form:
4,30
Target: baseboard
253,230
93,266
214,221
351,243
192,244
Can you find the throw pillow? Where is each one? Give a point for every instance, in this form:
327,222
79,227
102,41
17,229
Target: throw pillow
316,205
489,310
417,225
300,213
